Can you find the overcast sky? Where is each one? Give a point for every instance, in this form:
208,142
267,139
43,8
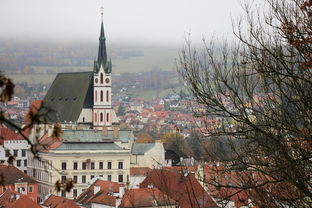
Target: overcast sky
151,21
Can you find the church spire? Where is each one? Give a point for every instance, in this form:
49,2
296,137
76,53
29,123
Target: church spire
102,54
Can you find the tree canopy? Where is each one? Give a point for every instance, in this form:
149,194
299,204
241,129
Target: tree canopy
259,88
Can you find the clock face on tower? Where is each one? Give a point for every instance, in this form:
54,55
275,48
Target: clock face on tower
96,80
107,80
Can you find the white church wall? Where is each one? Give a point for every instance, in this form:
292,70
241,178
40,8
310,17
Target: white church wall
85,116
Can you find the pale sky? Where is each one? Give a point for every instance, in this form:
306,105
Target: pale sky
152,21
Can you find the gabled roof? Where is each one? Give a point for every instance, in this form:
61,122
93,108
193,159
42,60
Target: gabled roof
72,91
13,175
24,202
59,202
185,189
13,199
8,134
141,149
102,196
145,197
8,197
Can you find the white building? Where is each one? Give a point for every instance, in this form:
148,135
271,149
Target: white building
13,144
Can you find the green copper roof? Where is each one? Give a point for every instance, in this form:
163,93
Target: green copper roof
140,149
95,136
68,94
89,146
102,54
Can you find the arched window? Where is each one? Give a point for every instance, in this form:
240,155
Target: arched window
107,117
95,117
101,117
95,95
101,96
107,98
101,78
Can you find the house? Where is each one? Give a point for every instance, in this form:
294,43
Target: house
13,199
13,144
150,155
182,187
146,197
137,176
81,155
18,181
101,194
53,201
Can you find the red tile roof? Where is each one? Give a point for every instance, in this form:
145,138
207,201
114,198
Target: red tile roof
8,197
8,134
35,105
182,169
49,143
24,202
13,199
104,199
59,202
138,171
238,196
183,188
102,196
13,175
145,197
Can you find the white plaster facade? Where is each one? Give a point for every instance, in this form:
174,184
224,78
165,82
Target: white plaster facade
153,158
18,149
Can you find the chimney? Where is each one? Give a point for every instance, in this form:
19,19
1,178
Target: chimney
104,131
96,189
115,132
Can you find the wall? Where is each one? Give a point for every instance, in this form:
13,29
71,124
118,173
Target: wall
48,177
153,158
18,145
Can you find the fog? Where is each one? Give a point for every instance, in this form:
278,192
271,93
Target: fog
148,21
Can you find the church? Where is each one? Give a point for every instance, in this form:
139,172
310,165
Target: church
91,144
84,98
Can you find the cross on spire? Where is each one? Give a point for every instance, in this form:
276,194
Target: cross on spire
102,8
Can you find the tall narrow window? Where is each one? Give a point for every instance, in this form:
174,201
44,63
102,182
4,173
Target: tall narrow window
63,165
101,96
107,98
95,95
107,117
101,117
101,78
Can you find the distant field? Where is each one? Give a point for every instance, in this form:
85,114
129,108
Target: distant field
162,58
154,58
32,78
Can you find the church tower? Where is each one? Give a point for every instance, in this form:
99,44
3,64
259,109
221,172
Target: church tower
102,104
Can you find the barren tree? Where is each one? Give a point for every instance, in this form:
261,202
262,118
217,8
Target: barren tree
259,89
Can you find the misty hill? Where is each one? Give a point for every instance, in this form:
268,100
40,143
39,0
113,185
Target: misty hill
52,57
